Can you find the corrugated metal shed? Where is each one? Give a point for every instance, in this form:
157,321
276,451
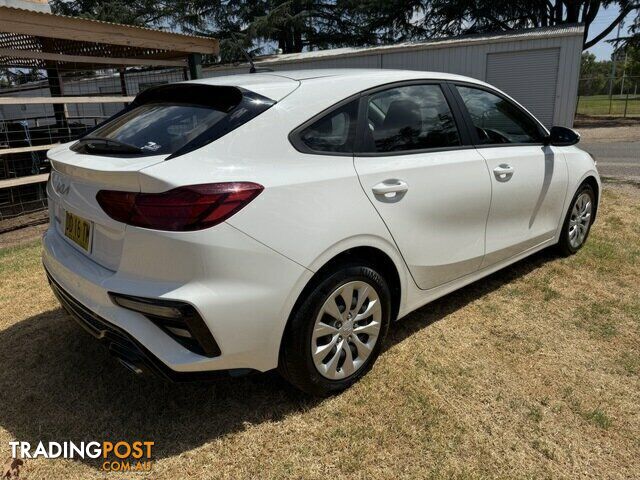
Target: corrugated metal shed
538,67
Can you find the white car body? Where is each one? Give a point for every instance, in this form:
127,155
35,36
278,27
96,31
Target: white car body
456,224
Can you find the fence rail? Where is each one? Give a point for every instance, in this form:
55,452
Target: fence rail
36,115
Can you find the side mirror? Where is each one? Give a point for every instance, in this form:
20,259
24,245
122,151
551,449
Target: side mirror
562,137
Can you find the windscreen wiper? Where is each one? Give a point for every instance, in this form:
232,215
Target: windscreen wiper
100,144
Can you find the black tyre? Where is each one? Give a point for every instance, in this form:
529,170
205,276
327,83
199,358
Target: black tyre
337,332
578,220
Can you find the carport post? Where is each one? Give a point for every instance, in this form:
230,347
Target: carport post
123,82
55,88
195,65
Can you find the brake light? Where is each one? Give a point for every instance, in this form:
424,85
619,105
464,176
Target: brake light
182,209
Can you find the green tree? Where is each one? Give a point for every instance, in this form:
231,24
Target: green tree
634,32
633,60
594,75
291,25
296,25
130,12
590,67
455,17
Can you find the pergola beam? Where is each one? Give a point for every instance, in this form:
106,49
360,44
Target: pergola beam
38,24
63,100
37,148
59,57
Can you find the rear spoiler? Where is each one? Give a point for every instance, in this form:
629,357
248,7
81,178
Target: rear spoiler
220,97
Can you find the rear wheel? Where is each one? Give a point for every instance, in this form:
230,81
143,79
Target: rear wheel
337,332
577,223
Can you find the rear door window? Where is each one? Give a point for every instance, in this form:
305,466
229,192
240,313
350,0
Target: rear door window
408,118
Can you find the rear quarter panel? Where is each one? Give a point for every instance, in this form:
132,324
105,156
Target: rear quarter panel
312,207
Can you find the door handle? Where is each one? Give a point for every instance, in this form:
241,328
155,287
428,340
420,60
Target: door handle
391,185
503,172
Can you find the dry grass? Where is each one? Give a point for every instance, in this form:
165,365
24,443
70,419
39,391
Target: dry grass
533,372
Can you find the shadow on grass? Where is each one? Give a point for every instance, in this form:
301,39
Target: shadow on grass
57,383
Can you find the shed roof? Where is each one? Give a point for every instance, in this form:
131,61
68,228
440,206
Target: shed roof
498,37
30,38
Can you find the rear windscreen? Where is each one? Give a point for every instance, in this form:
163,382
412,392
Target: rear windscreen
161,128
173,119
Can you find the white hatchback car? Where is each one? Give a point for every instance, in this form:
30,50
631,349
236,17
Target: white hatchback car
284,220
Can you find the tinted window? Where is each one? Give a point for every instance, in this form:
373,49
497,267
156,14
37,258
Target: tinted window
335,132
173,119
160,128
407,118
497,120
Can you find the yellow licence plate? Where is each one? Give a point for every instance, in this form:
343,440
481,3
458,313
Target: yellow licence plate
78,230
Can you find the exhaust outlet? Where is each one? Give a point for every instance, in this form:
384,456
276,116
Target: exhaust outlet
130,366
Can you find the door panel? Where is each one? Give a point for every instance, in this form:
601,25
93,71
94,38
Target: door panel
439,221
528,179
526,207
432,192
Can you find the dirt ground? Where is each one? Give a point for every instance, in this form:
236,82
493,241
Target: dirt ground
22,229
23,235
608,130
604,121
533,372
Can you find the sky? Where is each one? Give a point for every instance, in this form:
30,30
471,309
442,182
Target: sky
602,50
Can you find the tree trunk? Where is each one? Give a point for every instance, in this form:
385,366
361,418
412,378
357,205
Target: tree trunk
297,40
558,13
573,12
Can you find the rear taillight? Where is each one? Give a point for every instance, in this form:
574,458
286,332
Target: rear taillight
182,209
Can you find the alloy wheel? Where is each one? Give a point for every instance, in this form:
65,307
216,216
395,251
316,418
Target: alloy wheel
346,330
580,219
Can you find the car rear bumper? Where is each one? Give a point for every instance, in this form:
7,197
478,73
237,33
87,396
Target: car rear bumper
131,353
245,312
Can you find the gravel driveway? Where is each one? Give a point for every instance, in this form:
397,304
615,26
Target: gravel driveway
616,149
616,159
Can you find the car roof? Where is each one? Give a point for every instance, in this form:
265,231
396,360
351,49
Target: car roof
271,86
350,73
278,84
247,79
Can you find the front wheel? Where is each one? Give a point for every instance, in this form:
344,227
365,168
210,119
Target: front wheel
337,332
577,223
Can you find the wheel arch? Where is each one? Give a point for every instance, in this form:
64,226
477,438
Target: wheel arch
365,254
595,185
371,256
